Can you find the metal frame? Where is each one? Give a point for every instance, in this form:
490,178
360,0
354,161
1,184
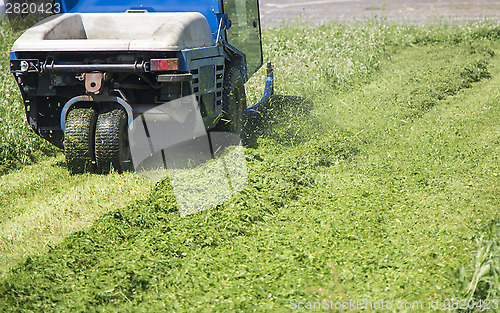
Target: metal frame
92,98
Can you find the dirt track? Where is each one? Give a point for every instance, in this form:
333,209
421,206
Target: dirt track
276,12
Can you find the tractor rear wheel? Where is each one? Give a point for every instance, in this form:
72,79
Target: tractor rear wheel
112,149
79,140
234,103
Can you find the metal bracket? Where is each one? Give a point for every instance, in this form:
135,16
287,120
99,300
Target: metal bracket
93,82
268,92
174,78
136,11
223,23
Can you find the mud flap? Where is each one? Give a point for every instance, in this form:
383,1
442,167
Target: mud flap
205,169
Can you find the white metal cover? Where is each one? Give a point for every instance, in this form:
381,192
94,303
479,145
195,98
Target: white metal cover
117,32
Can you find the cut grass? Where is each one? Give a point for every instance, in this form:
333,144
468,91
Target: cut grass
376,194
424,189
41,204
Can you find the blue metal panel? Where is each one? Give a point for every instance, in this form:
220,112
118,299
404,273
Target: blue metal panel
209,8
67,5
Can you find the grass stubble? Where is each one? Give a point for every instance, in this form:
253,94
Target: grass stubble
378,193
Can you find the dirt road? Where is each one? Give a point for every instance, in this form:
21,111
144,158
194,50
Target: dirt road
276,12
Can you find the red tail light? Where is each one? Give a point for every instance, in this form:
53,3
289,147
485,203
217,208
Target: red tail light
162,65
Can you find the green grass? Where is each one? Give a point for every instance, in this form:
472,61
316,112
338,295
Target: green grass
379,192
42,203
19,144
480,279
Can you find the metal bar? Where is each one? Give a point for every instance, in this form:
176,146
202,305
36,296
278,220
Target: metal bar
122,68
93,98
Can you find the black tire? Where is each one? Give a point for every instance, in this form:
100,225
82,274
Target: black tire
112,149
79,140
234,103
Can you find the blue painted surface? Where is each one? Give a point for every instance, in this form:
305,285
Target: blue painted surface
67,5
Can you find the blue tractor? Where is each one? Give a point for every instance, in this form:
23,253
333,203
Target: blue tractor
87,71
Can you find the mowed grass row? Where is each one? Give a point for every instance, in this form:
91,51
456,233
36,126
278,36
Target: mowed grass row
377,193
42,203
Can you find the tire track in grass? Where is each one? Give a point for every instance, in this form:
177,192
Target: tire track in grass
41,204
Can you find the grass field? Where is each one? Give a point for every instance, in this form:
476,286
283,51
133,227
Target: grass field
20,145
387,189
